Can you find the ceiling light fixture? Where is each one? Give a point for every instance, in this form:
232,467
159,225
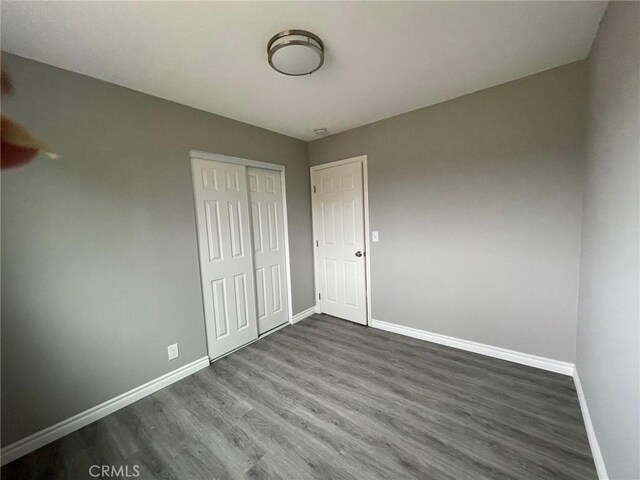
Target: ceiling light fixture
295,52
320,131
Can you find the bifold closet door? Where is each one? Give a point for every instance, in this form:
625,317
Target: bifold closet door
226,263
267,215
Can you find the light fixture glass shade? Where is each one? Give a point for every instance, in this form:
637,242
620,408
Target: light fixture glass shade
295,52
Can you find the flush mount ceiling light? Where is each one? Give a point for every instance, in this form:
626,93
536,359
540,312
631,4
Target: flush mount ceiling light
295,52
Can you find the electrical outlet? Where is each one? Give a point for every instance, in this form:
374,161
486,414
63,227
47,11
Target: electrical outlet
172,351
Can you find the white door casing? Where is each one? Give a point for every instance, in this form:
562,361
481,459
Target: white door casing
339,231
226,262
265,198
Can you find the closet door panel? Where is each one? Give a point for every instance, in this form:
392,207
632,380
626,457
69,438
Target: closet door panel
265,196
226,255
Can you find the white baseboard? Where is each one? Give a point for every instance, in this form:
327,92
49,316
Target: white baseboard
591,433
60,429
557,366
304,314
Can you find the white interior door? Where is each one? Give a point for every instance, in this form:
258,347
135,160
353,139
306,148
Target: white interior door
226,263
265,197
338,221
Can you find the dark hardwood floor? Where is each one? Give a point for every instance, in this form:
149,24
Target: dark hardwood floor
329,399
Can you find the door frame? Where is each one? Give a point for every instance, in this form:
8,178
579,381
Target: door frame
216,157
367,256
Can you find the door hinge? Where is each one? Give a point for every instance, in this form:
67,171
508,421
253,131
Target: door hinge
316,243
319,296
314,189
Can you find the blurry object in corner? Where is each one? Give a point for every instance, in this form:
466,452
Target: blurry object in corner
18,147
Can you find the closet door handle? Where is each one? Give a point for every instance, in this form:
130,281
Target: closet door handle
358,254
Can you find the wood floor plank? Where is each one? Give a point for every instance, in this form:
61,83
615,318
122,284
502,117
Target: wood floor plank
516,403
441,415
326,398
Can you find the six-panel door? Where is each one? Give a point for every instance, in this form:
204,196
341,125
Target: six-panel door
338,215
226,255
265,198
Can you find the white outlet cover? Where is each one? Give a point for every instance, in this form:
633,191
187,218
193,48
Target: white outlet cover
172,351
374,236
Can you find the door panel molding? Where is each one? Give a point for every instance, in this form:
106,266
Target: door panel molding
216,157
328,186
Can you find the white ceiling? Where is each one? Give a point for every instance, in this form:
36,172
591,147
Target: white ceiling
382,58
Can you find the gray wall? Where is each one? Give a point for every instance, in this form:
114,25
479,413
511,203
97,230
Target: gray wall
608,353
99,261
478,203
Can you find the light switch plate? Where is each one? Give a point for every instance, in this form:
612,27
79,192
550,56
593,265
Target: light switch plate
374,236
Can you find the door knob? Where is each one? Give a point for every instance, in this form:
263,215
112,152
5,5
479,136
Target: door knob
358,254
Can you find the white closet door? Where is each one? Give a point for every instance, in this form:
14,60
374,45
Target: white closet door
226,263
338,217
265,196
